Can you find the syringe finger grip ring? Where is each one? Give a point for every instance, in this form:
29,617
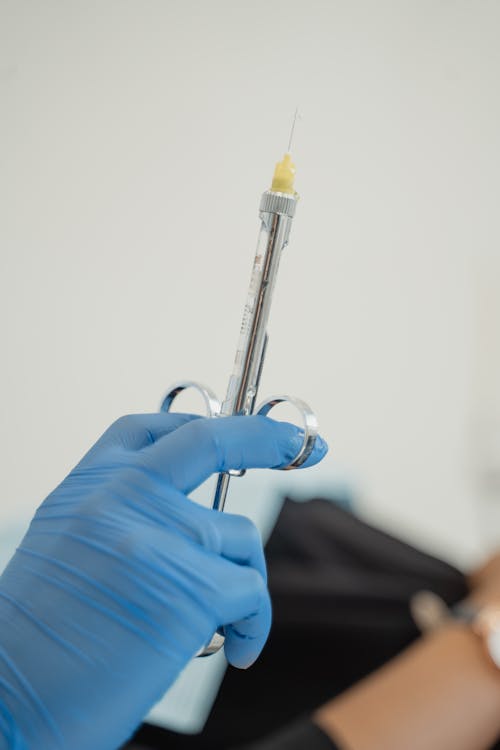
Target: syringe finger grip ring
212,403
310,426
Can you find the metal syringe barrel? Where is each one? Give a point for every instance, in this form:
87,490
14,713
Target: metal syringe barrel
276,213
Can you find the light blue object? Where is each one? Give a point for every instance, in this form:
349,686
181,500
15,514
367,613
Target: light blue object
121,579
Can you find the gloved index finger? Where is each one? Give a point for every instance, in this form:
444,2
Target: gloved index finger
205,446
136,431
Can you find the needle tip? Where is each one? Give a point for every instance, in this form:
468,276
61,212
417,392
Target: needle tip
296,116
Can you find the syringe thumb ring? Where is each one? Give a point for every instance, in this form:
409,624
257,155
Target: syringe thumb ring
309,420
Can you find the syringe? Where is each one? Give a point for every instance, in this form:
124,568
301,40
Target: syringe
277,209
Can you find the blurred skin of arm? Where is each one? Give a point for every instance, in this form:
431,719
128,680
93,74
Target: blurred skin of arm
441,693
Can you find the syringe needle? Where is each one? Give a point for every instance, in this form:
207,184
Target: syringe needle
292,130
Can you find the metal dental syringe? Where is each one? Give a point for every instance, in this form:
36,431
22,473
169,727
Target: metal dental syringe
277,209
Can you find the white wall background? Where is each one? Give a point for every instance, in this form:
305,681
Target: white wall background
135,139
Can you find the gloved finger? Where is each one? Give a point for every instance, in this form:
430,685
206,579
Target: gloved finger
245,613
232,536
136,431
204,446
246,638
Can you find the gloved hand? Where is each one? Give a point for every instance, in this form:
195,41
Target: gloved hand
121,579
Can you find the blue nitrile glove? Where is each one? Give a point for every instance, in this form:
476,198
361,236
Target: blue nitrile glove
121,579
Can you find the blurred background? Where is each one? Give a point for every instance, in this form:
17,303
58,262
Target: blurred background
136,139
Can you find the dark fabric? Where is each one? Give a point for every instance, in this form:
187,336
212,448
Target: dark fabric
301,735
340,590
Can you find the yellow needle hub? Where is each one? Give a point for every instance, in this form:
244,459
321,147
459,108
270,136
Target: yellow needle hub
284,176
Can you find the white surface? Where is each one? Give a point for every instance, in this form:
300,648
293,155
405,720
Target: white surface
136,139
